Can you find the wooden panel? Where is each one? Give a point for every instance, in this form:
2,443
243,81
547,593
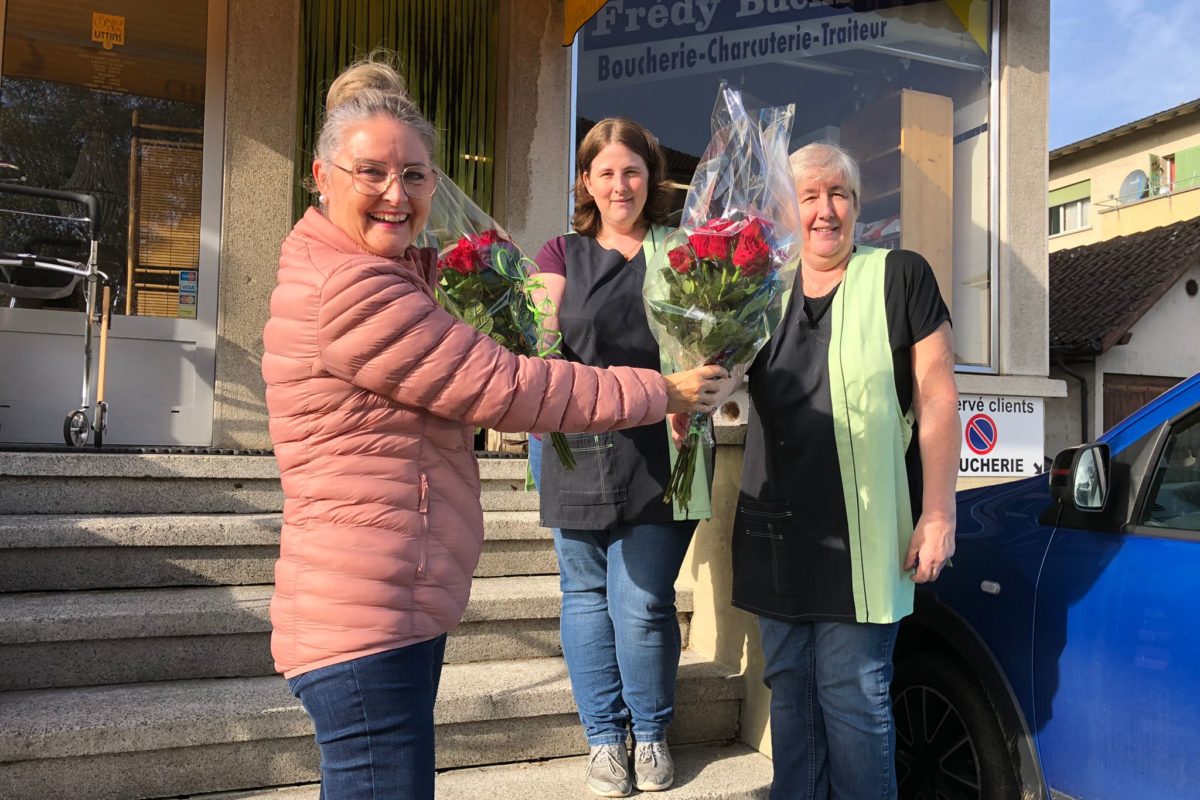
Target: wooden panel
1125,394
927,183
905,148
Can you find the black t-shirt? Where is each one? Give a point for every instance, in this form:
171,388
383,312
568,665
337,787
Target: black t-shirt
791,539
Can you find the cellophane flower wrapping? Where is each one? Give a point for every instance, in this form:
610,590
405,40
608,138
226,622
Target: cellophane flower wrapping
487,282
717,286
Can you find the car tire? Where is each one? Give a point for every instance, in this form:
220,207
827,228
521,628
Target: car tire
949,742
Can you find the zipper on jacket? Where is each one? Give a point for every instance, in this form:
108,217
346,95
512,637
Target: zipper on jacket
423,510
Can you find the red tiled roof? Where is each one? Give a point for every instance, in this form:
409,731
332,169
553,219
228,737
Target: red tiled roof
1099,291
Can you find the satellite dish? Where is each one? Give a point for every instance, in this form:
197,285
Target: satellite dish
1136,186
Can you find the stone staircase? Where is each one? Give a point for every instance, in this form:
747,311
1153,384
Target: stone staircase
134,658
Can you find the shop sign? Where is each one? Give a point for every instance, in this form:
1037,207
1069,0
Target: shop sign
108,30
626,43
1001,436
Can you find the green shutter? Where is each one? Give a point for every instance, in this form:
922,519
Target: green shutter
447,52
1068,194
1187,168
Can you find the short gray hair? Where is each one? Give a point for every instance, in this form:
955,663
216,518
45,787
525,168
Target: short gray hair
825,161
367,89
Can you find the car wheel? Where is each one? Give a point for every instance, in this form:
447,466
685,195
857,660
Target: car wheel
949,743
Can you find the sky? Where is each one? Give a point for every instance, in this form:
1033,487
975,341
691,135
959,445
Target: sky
1115,61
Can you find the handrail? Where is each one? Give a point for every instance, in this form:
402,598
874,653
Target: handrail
89,201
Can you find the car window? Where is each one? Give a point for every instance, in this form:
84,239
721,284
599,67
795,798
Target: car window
1174,500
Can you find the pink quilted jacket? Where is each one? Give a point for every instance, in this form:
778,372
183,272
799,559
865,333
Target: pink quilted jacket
373,392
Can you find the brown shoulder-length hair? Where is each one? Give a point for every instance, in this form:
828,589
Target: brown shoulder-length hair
586,219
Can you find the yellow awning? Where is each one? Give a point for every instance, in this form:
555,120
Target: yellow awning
577,13
973,14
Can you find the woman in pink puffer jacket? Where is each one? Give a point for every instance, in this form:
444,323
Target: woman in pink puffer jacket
373,393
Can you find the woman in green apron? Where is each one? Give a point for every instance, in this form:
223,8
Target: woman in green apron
847,488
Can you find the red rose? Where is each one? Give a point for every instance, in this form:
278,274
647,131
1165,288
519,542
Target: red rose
489,238
681,259
462,259
752,254
711,241
716,225
708,247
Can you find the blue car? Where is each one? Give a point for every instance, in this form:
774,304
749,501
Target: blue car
1060,656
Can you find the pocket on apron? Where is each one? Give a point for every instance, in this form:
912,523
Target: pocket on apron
596,479
763,546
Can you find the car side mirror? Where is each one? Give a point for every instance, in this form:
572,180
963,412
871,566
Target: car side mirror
1080,477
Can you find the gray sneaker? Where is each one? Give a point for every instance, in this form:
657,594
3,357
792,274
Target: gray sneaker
608,770
652,766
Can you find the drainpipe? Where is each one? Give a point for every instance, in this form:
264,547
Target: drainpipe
1083,397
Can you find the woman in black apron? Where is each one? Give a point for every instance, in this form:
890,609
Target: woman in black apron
619,545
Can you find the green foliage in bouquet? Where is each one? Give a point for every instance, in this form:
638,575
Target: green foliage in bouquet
485,282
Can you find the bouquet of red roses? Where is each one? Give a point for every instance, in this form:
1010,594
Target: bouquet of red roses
715,289
486,281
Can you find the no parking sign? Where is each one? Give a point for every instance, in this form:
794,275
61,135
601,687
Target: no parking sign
1001,436
980,434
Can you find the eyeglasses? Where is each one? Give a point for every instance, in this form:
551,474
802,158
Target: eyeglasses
373,179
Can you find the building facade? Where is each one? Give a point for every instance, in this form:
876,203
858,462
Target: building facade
189,121
1138,176
1124,206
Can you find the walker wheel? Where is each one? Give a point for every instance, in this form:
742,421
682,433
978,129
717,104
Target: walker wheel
101,426
76,428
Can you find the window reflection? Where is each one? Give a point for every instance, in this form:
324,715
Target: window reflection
1174,497
905,86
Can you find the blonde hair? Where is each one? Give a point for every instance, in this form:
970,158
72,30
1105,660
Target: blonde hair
825,161
368,88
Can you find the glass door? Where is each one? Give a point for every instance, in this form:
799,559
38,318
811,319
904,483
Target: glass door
123,104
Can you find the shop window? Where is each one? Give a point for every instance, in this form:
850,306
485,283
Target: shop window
905,86
84,91
447,53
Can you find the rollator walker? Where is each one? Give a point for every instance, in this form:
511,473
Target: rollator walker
16,269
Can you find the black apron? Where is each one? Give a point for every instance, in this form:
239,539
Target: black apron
619,476
791,557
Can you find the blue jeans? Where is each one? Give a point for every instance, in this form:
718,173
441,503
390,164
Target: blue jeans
374,721
620,632
832,732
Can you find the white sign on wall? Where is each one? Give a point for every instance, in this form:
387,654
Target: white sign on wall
1002,437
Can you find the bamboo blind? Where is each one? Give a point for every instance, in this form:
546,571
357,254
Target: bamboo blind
447,52
166,234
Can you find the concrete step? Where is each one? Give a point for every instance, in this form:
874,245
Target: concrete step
515,543
92,483
518,617
178,737
93,638
55,552
43,552
724,771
